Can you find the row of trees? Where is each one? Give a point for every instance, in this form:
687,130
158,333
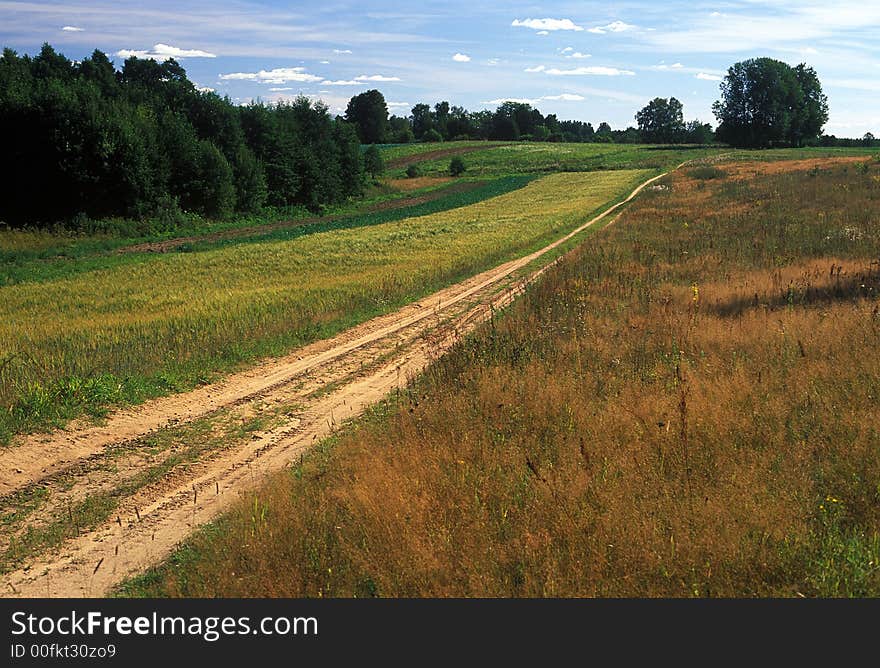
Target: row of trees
764,102
84,138
511,121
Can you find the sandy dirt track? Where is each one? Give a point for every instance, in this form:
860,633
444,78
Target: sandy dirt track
329,381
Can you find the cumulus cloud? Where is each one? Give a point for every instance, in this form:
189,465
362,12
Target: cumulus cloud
343,82
547,24
204,89
542,32
614,26
71,29
595,71
708,77
376,77
398,105
281,75
567,49
536,68
162,52
461,58
278,90
342,51
663,67
578,54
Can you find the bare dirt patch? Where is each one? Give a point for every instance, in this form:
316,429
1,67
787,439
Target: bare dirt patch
418,182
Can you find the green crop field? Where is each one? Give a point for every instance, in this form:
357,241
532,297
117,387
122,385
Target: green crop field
127,331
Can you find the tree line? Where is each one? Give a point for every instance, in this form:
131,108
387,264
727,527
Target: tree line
83,138
510,121
764,103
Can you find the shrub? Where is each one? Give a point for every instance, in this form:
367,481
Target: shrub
706,172
457,166
432,136
413,171
373,163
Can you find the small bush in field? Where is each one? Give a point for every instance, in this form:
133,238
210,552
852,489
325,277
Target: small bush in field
457,166
413,172
706,172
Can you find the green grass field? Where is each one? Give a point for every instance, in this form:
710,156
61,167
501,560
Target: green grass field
123,332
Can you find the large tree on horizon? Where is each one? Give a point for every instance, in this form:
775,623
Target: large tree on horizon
766,102
368,112
661,121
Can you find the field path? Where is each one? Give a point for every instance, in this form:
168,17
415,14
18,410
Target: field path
328,381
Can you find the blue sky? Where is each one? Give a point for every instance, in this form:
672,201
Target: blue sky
581,60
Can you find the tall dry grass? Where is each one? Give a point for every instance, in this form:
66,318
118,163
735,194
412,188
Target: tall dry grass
687,406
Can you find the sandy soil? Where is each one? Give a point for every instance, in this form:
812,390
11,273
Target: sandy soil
328,382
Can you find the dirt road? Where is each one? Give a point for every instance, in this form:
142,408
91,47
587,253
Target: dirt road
306,395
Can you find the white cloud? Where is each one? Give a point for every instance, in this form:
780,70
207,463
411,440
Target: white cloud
71,29
205,89
578,54
542,32
565,97
493,61
328,82
324,62
595,71
398,105
663,67
279,75
342,51
614,26
537,68
562,97
278,90
161,52
708,77
518,100
566,50
376,77
790,24
461,58
547,24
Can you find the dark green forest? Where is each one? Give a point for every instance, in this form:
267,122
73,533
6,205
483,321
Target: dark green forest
86,139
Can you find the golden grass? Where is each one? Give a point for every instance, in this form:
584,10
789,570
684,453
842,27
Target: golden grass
687,406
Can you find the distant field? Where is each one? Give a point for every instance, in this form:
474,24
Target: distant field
32,256
687,406
394,152
531,157
126,331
